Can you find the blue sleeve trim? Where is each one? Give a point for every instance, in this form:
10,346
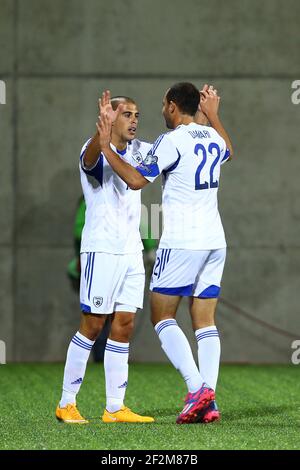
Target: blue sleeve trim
211,292
148,170
85,308
151,169
96,171
184,291
156,143
173,166
85,146
226,156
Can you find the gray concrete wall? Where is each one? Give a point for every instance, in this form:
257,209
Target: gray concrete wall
56,58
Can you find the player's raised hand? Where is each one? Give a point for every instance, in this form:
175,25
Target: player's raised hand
208,88
200,117
105,106
204,88
209,101
104,125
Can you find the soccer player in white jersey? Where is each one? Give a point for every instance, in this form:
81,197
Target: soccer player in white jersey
112,270
192,249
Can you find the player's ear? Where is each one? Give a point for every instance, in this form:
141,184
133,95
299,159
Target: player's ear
172,106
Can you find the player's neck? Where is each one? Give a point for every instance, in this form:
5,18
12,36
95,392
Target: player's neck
184,119
120,144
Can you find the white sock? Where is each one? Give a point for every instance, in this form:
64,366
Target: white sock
209,351
177,348
116,374
77,357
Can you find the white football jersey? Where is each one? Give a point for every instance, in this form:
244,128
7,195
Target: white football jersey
189,159
113,210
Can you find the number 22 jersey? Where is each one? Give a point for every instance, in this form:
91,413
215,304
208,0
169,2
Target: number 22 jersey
189,159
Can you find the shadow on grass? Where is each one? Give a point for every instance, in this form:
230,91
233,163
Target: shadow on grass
256,411
261,411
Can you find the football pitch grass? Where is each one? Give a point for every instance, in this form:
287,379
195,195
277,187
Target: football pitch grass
260,408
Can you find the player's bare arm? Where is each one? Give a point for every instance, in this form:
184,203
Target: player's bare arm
209,105
93,150
123,169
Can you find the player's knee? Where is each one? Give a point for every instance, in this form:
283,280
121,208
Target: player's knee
94,332
92,327
122,330
155,318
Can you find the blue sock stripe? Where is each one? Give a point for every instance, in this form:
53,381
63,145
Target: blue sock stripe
164,325
169,252
85,343
123,346
117,347
85,346
209,334
73,340
116,351
111,347
204,337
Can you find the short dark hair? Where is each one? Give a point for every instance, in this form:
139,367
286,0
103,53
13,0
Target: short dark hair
115,101
186,96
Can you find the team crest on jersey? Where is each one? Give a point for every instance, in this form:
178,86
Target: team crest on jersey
98,301
137,157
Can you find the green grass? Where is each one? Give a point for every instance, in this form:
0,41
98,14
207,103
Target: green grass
260,410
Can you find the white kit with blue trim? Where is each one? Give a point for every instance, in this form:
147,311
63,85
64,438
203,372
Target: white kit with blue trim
110,281
113,211
112,270
189,159
188,273
192,249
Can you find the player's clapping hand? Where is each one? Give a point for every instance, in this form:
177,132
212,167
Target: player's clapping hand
105,106
104,130
209,101
200,116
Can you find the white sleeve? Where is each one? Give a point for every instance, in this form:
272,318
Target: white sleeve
162,156
87,170
225,152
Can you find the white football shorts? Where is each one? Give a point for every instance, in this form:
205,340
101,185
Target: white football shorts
109,282
188,273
